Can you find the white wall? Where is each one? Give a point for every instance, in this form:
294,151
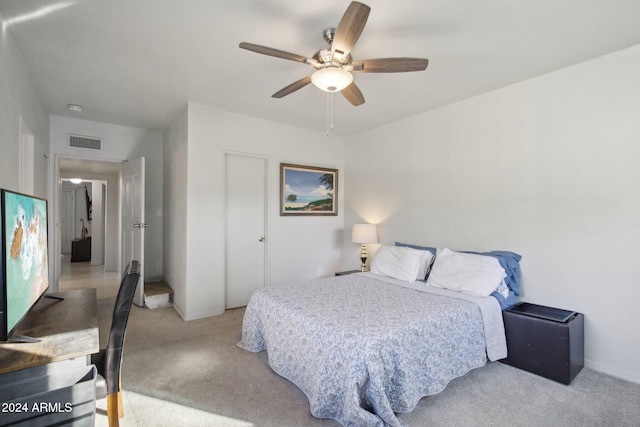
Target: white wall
97,230
81,208
120,143
548,168
175,210
211,132
19,101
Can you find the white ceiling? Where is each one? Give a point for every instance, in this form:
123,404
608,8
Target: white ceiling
138,62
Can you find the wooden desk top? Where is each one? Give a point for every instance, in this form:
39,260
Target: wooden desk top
66,329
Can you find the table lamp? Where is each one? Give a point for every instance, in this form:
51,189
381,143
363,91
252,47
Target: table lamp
363,234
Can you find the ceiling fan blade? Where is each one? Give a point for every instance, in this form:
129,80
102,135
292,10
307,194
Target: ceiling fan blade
353,95
350,28
390,65
292,87
272,52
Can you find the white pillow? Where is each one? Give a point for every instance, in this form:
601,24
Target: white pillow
472,274
401,263
425,264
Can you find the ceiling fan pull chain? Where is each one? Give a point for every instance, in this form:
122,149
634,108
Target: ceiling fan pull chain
326,117
331,109
329,112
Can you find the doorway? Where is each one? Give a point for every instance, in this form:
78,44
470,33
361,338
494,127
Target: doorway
95,202
246,184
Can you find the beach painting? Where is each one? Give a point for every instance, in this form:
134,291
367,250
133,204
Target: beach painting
308,190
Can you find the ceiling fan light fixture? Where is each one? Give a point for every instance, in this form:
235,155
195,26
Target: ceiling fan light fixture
331,78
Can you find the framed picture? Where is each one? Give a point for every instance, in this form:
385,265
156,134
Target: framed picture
308,190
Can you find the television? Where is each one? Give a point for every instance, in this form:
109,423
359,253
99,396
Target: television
24,268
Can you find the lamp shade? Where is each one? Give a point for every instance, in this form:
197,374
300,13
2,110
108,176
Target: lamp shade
364,233
331,79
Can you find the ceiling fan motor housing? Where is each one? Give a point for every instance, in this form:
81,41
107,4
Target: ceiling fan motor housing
328,34
324,56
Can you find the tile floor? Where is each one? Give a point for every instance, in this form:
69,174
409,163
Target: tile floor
80,275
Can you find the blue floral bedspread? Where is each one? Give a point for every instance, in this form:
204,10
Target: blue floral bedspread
362,349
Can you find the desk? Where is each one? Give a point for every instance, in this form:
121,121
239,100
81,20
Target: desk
66,329
52,381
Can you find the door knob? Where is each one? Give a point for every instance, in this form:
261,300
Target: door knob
140,225
261,239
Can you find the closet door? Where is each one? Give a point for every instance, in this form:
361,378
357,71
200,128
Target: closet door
246,179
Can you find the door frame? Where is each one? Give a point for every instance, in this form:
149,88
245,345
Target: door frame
54,209
267,213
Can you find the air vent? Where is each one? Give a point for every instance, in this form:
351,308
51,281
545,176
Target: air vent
85,142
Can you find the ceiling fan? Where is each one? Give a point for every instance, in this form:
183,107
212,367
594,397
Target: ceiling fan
334,64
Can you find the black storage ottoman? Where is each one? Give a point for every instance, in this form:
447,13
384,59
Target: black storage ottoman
545,341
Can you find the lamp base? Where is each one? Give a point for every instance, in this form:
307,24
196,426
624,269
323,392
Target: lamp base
363,258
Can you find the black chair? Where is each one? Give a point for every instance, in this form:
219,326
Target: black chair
108,361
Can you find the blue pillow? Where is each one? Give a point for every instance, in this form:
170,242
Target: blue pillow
510,261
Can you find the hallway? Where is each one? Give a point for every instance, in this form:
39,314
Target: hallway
80,275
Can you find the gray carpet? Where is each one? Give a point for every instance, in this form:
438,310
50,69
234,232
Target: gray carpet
193,374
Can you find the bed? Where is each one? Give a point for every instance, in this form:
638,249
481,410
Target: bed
365,346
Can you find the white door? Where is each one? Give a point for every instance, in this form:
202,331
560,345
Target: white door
67,220
245,224
133,225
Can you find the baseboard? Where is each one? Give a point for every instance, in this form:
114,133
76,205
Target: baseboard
197,315
614,372
178,310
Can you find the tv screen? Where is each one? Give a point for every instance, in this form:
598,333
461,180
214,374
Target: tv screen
24,270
